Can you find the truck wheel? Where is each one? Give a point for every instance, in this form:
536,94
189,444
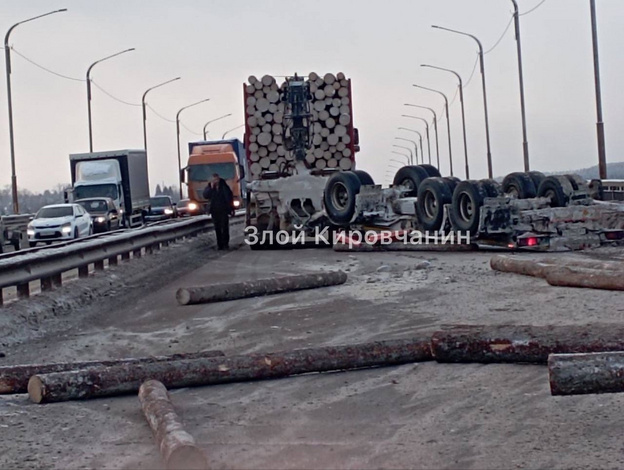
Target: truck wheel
452,182
558,189
577,182
596,189
339,196
433,194
537,177
431,170
466,205
410,177
519,185
492,187
365,178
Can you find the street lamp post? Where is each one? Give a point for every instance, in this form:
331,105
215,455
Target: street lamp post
435,127
213,120
427,129
415,144
89,91
144,108
525,142
178,140
231,130
7,58
463,113
602,152
485,106
448,122
407,158
411,154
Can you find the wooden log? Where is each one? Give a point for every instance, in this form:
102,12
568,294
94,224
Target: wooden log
340,130
333,139
576,374
340,76
265,162
263,152
321,164
319,94
273,109
118,380
329,78
585,278
344,119
345,164
264,138
323,115
14,379
240,290
523,343
332,163
539,267
177,447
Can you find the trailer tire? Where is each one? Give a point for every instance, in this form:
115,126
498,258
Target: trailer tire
492,187
431,170
558,189
519,185
466,205
365,178
339,196
596,189
537,177
577,182
412,177
433,195
452,182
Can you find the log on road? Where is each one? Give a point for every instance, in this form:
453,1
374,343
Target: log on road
576,374
14,379
540,267
523,343
177,447
127,378
586,278
241,290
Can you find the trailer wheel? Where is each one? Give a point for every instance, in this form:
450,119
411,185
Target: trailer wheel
558,189
452,182
431,170
577,182
596,189
492,187
433,194
365,178
466,205
410,177
537,177
339,196
519,185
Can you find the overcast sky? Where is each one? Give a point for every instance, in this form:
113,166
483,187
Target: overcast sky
215,45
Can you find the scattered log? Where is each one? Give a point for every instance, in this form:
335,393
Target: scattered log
576,374
177,447
586,278
127,378
240,290
540,267
523,343
14,379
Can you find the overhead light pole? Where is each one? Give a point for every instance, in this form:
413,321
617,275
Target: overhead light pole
525,142
485,106
143,105
415,144
7,58
407,158
411,154
448,122
463,113
602,151
231,130
89,91
427,132
435,127
178,140
213,120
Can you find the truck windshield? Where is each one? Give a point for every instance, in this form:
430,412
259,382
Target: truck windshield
204,172
96,190
53,212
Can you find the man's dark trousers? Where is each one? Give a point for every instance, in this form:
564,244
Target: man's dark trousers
221,221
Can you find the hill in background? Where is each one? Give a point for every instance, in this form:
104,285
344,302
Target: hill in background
615,171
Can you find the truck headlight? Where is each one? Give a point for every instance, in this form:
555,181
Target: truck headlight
236,203
100,219
168,211
192,206
67,228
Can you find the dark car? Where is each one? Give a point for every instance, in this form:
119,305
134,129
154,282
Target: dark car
187,208
161,208
103,212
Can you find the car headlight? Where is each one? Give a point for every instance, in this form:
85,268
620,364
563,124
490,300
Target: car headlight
236,203
100,219
30,230
168,211
192,206
67,228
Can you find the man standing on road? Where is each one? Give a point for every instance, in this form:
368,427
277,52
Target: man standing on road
220,196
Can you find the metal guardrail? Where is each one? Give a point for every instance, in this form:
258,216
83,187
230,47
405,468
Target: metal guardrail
49,264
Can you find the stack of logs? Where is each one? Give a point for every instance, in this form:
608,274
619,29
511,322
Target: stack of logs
331,129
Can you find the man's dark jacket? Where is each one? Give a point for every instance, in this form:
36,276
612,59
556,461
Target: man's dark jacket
220,198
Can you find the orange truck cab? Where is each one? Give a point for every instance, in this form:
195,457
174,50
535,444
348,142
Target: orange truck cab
225,157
